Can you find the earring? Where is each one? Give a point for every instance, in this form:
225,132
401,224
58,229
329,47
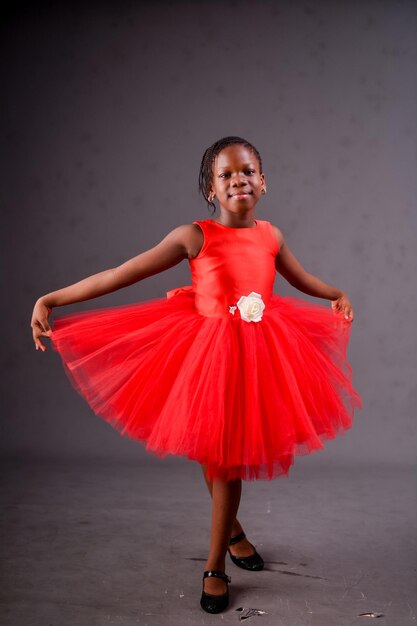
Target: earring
263,190
211,197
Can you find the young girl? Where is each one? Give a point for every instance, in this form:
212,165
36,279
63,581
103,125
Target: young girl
224,371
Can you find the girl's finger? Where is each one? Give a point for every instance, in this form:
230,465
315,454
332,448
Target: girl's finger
44,326
349,314
39,345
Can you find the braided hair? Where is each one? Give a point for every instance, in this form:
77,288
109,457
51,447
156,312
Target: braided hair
206,169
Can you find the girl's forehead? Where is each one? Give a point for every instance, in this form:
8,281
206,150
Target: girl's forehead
235,154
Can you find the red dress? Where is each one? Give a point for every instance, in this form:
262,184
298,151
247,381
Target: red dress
240,384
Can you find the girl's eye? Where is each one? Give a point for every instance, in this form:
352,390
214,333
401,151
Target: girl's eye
226,174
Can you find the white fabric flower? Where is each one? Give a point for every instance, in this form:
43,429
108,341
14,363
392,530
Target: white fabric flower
251,307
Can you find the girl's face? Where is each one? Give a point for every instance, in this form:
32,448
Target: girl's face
237,180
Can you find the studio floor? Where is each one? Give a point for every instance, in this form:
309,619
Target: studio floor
108,543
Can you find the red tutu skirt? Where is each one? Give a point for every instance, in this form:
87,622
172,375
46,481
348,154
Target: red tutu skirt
242,398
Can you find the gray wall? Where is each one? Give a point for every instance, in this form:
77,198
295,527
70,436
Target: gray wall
107,109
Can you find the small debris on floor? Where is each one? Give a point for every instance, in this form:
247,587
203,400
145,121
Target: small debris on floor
371,614
247,613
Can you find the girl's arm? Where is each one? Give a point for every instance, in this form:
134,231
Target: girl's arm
292,270
182,242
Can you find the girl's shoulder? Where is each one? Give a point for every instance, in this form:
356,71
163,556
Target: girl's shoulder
187,237
278,234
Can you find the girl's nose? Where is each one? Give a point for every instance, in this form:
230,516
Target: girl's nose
238,180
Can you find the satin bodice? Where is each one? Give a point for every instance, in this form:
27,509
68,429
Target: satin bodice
232,263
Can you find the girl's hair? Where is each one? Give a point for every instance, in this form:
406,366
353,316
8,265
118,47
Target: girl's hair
206,169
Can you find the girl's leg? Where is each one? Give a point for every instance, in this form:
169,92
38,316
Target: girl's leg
225,503
243,547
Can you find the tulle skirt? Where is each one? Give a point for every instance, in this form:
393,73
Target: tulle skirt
241,397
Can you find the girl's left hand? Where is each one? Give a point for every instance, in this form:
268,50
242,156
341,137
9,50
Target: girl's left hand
342,305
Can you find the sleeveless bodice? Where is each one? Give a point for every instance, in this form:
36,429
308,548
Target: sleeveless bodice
232,263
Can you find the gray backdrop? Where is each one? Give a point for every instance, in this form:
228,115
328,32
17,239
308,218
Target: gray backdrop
107,109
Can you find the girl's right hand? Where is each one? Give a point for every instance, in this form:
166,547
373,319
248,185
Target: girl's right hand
39,323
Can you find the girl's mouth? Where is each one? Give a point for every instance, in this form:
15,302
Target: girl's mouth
243,194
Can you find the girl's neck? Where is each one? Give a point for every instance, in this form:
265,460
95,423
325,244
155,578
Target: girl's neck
236,220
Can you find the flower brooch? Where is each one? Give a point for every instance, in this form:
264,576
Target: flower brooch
251,307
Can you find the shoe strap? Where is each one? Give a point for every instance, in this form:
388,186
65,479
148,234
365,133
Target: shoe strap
217,574
237,538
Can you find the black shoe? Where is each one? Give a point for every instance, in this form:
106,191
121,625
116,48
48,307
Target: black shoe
254,562
214,603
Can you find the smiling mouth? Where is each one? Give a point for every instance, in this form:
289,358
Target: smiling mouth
242,194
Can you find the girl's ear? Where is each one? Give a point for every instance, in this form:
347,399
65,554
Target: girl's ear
211,196
263,187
